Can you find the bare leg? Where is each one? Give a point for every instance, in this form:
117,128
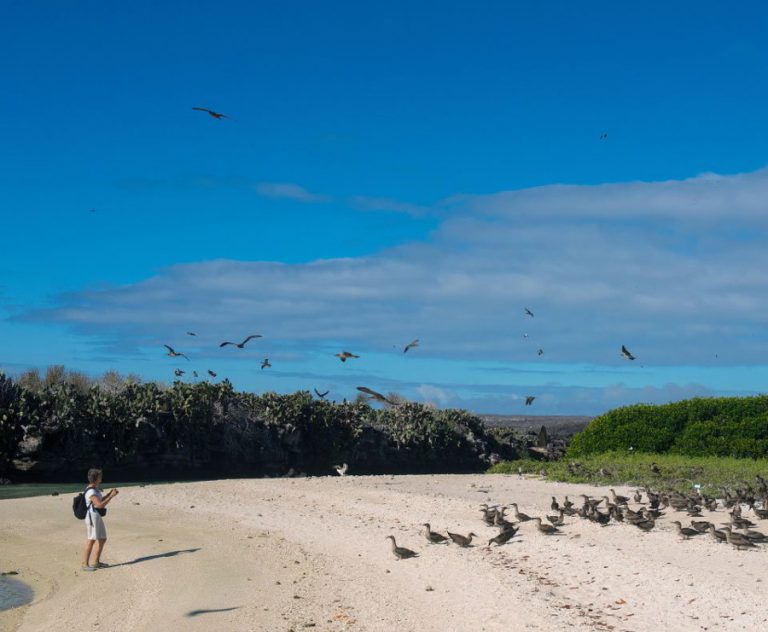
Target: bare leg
87,551
99,548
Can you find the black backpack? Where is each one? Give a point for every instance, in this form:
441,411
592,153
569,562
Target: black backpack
79,507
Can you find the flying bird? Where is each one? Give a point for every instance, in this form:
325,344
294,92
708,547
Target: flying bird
529,399
191,333
173,353
344,355
265,363
216,115
626,353
411,345
374,395
321,395
194,373
211,373
242,344
178,372
604,136
540,352
529,312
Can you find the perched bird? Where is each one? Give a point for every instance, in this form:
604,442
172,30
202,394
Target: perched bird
401,553
738,540
211,373
540,352
216,115
520,517
701,525
341,469
686,532
655,468
626,353
411,345
345,355
529,312
554,505
619,500
504,536
717,534
461,540
433,537
173,353
546,529
191,333
178,372
638,497
374,395
265,363
321,395
241,345
529,399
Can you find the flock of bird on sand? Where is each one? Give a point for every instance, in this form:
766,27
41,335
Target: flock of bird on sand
737,530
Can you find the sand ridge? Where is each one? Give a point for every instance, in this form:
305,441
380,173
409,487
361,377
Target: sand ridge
291,554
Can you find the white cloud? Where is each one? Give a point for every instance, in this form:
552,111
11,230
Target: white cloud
600,266
287,190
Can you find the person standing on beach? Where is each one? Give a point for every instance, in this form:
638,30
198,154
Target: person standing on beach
96,531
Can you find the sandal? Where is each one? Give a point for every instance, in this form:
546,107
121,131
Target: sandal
102,565
88,568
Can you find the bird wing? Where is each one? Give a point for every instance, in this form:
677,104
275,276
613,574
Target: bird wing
413,343
249,338
202,110
169,348
224,344
372,393
183,356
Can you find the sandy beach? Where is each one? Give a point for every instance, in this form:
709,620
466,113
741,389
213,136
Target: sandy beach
295,554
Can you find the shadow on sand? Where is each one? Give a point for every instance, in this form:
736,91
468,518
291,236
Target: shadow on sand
147,558
195,613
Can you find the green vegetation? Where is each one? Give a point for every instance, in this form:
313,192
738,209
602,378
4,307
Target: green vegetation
67,422
723,426
678,472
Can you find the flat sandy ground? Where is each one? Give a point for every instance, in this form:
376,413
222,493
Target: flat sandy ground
296,554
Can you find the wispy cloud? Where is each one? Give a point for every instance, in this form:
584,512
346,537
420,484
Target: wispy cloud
371,203
597,272
288,191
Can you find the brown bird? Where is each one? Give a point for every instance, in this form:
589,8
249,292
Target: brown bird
173,353
520,517
411,345
374,395
240,345
345,355
461,540
178,372
401,553
216,115
504,536
529,400
321,395
546,529
432,536
686,532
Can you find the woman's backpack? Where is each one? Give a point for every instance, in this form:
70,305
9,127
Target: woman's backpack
79,506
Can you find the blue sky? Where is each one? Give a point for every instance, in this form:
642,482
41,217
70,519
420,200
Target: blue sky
391,172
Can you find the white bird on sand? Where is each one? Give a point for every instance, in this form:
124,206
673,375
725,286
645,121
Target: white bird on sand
341,469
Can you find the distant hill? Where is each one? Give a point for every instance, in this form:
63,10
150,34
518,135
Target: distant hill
561,425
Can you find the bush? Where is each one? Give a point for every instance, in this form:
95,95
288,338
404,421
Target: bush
723,426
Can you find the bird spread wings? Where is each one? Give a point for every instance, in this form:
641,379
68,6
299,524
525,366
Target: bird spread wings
411,345
173,353
373,394
213,113
240,345
626,353
321,395
529,312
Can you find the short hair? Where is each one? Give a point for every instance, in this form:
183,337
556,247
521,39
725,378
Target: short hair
94,474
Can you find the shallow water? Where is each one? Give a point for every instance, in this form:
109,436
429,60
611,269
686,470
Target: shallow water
14,593
25,490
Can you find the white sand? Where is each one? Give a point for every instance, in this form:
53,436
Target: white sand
295,554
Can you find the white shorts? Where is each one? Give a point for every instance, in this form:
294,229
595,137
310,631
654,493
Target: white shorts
97,530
